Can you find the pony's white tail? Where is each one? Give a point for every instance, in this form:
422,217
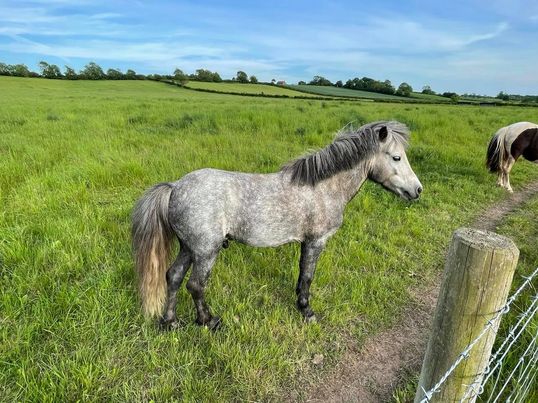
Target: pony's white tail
497,153
152,239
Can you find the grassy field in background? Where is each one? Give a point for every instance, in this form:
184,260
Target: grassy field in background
329,91
255,89
430,97
74,157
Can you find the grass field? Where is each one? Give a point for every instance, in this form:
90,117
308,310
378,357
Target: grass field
74,157
430,97
346,92
255,89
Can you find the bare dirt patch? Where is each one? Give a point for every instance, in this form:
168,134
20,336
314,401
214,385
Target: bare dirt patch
370,372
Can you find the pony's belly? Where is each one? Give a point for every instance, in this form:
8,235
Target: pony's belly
266,241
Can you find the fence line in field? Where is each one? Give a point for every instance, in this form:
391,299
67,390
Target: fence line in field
496,360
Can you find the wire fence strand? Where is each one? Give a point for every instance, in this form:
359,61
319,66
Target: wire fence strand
477,387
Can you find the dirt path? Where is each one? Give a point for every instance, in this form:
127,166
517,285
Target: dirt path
371,372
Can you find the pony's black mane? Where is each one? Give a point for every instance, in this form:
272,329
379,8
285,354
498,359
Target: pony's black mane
349,148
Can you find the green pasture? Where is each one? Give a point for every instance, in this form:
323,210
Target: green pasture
328,91
75,156
254,89
430,97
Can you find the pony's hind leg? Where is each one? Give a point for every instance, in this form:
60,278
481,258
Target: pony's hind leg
310,251
200,274
174,278
507,169
500,178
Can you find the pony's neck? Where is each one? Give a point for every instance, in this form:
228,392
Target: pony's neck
344,185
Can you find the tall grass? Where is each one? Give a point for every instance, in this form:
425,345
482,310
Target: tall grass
74,157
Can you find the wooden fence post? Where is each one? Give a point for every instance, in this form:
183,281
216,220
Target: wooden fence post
478,274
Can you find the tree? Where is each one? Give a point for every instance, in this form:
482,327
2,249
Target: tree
114,74
503,96
427,90
4,70
92,71
253,80
319,80
301,82
130,75
241,77
70,73
404,90
369,84
205,75
452,95
339,84
216,77
180,77
49,70
273,81
19,70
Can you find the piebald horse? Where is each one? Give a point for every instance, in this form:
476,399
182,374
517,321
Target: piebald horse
507,145
303,202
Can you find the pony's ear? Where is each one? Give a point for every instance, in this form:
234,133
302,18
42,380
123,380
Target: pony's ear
383,133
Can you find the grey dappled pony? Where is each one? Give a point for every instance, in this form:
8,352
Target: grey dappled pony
303,202
507,145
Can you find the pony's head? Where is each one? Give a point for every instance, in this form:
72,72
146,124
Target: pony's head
377,148
389,165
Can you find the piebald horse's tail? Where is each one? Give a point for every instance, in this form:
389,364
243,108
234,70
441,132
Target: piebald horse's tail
152,240
497,153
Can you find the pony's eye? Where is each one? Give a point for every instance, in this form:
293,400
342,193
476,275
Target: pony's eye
396,158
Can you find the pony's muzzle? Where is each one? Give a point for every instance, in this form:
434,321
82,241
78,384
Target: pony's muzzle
413,195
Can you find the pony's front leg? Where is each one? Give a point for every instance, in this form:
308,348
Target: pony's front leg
200,274
310,251
506,171
174,278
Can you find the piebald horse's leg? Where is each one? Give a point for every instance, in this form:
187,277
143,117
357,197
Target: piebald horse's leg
310,251
174,278
200,274
509,165
500,178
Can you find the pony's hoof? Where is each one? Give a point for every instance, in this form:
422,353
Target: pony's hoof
311,318
214,323
169,324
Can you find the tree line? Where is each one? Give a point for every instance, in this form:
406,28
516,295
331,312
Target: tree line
92,71
368,84
517,98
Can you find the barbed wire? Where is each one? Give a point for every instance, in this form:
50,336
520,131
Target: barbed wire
514,334
519,362
490,323
526,377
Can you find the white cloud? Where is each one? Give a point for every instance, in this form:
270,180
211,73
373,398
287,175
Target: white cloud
401,48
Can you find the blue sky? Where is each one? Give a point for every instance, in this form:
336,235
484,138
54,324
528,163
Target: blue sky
464,46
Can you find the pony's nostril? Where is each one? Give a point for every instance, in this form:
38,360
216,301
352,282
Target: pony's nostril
419,190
